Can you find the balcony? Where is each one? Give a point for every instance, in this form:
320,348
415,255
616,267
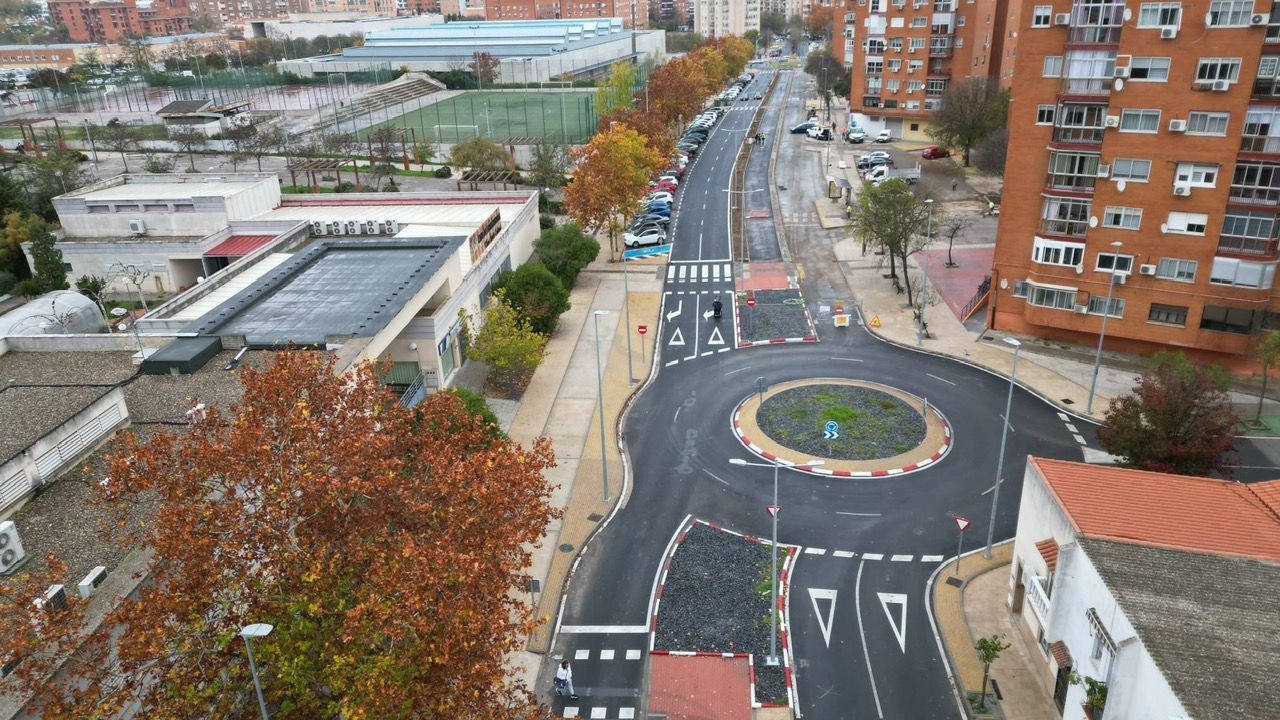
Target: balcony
1263,248
1086,86
1039,598
1071,183
1069,228
1266,88
1095,24
1254,195
940,47
1260,143
1078,135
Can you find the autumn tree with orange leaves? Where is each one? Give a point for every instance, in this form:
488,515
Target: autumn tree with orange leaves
611,177
387,546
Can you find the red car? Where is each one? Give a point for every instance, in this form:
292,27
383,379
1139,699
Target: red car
934,152
663,186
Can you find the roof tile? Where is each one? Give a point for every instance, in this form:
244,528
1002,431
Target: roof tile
1049,551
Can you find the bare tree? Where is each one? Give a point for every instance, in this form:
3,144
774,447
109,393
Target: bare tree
189,140
970,111
121,138
892,218
950,229
991,153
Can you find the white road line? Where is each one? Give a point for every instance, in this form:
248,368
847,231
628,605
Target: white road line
844,553
633,654
599,713
682,272
1079,439
872,556
673,362
735,371
571,712
857,514
857,600
722,482
847,359
901,558
815,551
728,271
671,272
582,655
606,654
935,377
675,418
1072,428
1009,424
724,350
931,558
1063,417
604,629
627,713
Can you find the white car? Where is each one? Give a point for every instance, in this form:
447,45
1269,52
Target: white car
660,196
651,236
884,137
675,180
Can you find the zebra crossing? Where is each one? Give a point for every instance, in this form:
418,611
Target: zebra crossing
699,272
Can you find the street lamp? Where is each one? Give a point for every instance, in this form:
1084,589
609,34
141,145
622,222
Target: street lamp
772,659
256,630
1106,313
1004,436
118,313
920,312
604,460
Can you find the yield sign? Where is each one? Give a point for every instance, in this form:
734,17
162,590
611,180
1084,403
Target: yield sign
773,509
716,337
676,338
816,594
963,523
899,626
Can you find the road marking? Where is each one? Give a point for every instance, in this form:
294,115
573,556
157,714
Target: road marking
1063,417
1072,429
627,713
1008,424
676,313
728,271
709,352
815,551
671,272
722,482
901,558
606,654
858,514
843,553
900,627
993,487
847,359
716,338
633,654
724,350
599,713
857,599
738,370
676,338
676,417
571,712
604,629
930,558
705,274
816,594
935,377
872,556
673,362
582,655
1079,439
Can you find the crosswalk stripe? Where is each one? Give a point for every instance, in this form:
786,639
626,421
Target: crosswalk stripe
682,271
671,272
633,654
843,553
728,271
901,558
930,558
582,655
872,556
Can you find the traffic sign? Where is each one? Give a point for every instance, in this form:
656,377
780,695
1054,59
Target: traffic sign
875,321
963,523
831,431
751,301
642,329
773,509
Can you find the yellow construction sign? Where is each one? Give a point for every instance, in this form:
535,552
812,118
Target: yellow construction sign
875,321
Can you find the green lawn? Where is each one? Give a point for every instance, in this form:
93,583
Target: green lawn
558,116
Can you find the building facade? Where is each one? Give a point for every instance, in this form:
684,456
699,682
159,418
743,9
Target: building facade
1145,150
720,18
634,13
903,54
64,55
109,21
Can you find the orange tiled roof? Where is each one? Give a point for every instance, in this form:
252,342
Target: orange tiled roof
1061,655
1049,551
1173,511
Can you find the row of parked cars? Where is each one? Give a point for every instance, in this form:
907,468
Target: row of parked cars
649,226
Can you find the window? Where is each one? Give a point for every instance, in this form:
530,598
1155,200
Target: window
1230,13
1184,223
1218,69
895,65
1073,171
891,86
874,46
1130,169
1020,288
1104,648
1267,81
1177,269
1079,123
1197,174
1089,71
1207,123
1226,319
1058,298
935,88
1249,233
895,44
1065,216
1261,131
1126,218
914,86
1041,16
1256,182
1056,252
914,65
919,21
1052,66
1167,315
1112,262
1044,115
1097,302
874,67
1144,121
916,43
1149,69
1159,14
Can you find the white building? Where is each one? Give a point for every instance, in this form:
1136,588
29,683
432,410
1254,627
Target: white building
720,18
1165,587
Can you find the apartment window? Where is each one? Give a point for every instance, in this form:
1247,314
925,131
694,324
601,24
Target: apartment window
1177,269
1125,218
1242,273
1044,114
959,23
1161,14
1230,13
1077,123
1097,302
1056,252
1197,174
935,88
1143,121
1256,182
1249,233
919,21
1058,298
1218,69
1149,69
1185,223
875,67
916,43
1113,262
1207,123
1020,288
875,46
1104,648
891,86
1226,319
1052,66
1073,171
1266,82
914,85
895,44
1041,16
1167,315
914,65
895,65
1065,216
1090,70
1261,131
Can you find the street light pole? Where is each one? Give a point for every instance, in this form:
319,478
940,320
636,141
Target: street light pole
256,630
923,290
604,460
1102,334
1004,436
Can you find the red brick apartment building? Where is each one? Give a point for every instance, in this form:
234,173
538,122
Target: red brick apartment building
1144,161
903,54
569,9
109,21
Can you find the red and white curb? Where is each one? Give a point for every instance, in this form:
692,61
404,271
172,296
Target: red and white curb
798,467
784,625
737,327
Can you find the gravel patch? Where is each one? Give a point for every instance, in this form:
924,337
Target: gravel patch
712,602
777,314
873,424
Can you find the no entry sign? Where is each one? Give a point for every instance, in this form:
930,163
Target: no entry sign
642,329
751,301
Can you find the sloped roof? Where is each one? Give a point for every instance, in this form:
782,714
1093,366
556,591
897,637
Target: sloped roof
184,106
1049,551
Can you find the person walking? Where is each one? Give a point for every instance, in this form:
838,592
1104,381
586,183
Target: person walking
564,681
954,184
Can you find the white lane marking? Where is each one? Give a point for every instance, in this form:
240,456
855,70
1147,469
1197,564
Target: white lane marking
1008,424
901,558
815,551
676,338
735,371
673,362
606,654
582,655
847,359
671,272
676,417
722,482
930,558
1063,417
935,377
571,712
627,713
633,654
1072,429
1079,439
993,487
716,338
704,273
697,307
682,270
604,629
599,713
728,271
724,350
900,627
857,599
816,594
858,514
676,313
872,556
709,352
844,553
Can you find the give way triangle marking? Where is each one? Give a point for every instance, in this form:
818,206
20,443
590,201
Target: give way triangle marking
716,338
676,338
816,594
899,626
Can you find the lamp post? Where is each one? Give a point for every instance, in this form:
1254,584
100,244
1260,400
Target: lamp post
256,630
1102,334
1004,436
772,659
923,291
118,313
604,460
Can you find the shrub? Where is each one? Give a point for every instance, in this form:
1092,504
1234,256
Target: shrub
7,281
477,405
565,251
545,221
345,187
537,295
443,172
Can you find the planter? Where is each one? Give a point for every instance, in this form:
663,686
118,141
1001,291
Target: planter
992,711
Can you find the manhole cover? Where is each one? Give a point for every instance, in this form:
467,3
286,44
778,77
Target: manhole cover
566,548
594,517
955,581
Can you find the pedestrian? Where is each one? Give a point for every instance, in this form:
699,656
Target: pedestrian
564,681
954,185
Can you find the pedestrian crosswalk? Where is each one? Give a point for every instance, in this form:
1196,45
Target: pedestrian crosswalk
608,670
699,272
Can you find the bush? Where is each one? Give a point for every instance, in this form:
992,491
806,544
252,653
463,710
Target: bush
517,178
546,221
7,281
391,186
345,187
477,405
443,172
537,295
565,251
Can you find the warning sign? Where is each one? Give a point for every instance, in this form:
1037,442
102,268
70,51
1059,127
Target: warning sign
841,320
875,321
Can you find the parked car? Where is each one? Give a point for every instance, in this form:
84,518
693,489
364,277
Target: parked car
653,236
802,127
820,133
675,170
867,161
856,135
661,195
758,96
934,152
651,217
674,179
642,228
662,187
884,136
656,208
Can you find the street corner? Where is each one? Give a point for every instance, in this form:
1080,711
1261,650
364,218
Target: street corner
800,428
772,317
957,618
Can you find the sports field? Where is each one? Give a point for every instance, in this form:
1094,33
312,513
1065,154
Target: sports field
557,115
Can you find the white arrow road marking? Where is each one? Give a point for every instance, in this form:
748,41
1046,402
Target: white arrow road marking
716,338
675,313
816,594
707,315
899,627
676,338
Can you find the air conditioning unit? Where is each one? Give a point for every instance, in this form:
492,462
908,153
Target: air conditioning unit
1104,170
353,227
337,228
1168,33
138,226
1258,19
393,227
319,228
1203,85
1177,126
1112,121
54,599
911,49
1182,189
11,552
1146,269
1080,309
1220,85
373,227
1062,19
92,581
1122,71
1121,277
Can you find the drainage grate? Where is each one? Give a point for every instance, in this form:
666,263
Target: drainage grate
1068,401
955,581
566,548
595,517
995,688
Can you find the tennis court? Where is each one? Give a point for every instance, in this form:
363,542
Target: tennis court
560,116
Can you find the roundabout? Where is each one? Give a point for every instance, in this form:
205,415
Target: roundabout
888,431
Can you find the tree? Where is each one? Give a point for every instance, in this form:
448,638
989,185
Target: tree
820,24
264,142
505,341
55,173
892,218
548,165
752,36
189,140
826,71
1178,419
989,649
13,200
970,111
92,287
773,23
950,230
480,154
565,251
119,137
484,67
157,164
991,153
536,293
1268,351
48,272
617,90
387,546
612,175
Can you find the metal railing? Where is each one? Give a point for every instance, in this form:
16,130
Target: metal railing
416,391
984,287
1039,598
